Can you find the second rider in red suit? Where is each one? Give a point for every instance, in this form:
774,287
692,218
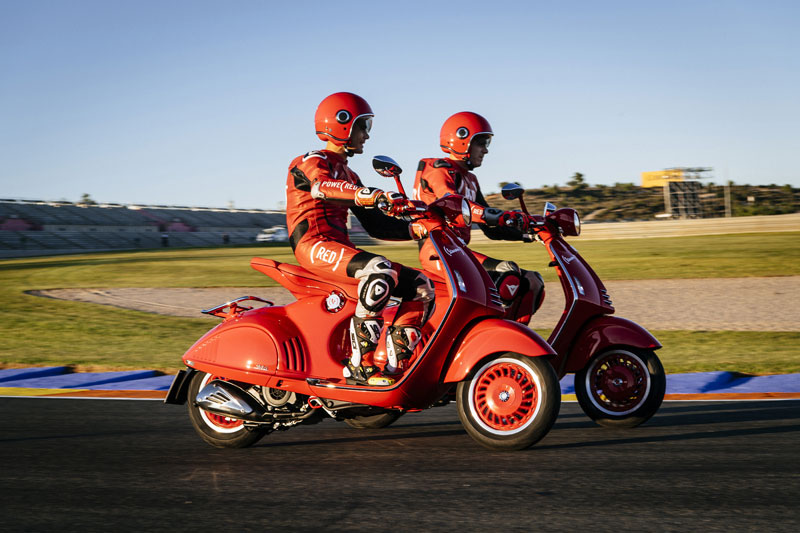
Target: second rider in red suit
465,137
320,189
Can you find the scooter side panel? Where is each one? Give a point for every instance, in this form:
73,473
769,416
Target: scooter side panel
493,335
605,331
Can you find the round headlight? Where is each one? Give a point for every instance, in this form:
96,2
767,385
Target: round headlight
466,212
577,224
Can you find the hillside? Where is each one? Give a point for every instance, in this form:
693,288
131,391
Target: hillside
626,201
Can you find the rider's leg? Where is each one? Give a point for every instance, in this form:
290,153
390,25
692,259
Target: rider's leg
522,291
405,333
377,280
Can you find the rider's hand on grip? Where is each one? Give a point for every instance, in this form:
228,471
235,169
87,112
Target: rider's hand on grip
368,197
392,203
512,219
418,230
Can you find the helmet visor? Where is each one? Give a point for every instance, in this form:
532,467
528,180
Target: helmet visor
364,122
482,139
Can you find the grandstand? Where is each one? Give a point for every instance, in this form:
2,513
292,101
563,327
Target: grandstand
37,227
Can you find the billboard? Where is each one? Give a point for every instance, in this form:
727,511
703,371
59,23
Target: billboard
659,177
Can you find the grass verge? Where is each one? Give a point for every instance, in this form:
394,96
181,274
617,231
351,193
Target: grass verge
39,331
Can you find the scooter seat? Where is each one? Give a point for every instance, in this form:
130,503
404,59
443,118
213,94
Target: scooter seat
300,281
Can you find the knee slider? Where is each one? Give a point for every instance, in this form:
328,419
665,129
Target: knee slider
378,281
374,292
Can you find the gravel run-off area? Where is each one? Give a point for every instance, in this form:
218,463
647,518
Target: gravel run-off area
737,304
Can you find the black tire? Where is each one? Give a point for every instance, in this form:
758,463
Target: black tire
218,430
376,421
622,387
510,402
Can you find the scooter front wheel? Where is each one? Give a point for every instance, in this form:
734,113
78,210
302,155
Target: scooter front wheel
218,430
510,402
621,387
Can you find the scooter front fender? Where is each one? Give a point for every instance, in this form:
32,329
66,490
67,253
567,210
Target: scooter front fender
604,331
490,336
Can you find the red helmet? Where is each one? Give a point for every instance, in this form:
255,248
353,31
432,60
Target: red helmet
336,114
458,131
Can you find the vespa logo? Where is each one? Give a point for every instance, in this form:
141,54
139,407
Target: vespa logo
451,251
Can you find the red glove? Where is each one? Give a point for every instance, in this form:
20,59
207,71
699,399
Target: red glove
496,217
368,196
391,203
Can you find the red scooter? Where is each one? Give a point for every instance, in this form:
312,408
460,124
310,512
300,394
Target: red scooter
273,367
619,380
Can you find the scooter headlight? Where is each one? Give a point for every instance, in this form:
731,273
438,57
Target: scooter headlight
466,212
568,221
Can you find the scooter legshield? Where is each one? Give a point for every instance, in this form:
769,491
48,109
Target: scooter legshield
491,336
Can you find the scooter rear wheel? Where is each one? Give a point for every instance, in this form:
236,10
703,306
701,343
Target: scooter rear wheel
218,430
622,387
510,402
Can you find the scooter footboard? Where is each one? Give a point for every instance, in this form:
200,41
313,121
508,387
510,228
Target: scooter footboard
490,336
604,331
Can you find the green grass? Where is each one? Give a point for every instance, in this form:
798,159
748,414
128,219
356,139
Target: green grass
40,331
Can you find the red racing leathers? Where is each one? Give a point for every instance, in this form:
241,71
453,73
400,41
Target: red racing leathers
320,189
521,290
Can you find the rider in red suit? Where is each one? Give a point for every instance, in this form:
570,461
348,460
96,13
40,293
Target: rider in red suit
465,137
320,190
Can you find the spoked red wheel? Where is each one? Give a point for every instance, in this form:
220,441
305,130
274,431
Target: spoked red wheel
219,430
618,382
504,396
511,402
621,387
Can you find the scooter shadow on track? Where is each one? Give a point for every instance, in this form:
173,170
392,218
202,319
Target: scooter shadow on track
364,438
668,438
675,416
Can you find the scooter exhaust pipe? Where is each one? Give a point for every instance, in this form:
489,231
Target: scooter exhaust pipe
225,398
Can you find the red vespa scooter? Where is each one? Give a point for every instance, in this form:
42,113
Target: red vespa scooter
619,380
273,367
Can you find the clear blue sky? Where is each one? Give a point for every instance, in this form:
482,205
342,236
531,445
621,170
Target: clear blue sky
206,102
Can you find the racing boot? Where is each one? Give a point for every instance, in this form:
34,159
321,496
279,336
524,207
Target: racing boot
364,336
400,344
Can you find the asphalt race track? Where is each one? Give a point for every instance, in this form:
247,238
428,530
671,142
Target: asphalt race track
110,465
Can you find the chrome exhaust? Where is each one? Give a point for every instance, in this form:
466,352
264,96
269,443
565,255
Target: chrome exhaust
225,398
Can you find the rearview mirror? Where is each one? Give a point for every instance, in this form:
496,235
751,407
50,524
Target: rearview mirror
512,191
386,166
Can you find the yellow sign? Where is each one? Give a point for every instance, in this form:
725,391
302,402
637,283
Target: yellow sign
659,177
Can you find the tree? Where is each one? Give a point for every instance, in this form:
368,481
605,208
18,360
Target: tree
577,182
86,199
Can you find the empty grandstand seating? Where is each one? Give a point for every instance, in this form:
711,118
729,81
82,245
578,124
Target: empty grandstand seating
40,227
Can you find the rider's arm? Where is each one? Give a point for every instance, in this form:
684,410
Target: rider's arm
382,226
314,172
489,222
